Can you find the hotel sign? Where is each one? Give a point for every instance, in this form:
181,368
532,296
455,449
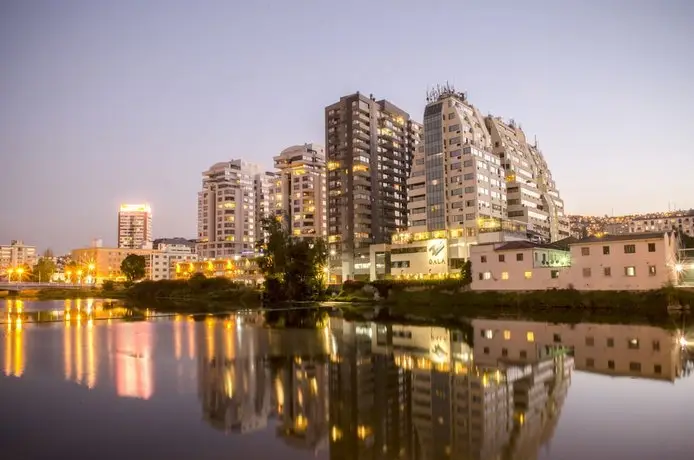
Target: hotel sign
437,252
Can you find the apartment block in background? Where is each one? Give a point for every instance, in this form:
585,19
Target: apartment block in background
301,196
232,196
682,222
134,226
17,254
369,146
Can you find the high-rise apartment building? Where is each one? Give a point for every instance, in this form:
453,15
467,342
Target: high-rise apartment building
475,174
134,226
456,182
532,194
302,190
234,195
17,254
369,146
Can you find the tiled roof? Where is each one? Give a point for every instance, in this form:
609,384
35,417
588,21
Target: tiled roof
622,237
516,245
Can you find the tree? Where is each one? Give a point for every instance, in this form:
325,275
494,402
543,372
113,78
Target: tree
71,269
133,267
43,270
293,268
466,273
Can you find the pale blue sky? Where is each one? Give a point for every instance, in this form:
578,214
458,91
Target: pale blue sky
104,102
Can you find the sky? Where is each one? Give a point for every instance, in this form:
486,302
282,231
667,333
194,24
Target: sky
105,102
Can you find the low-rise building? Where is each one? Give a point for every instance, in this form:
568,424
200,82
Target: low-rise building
161,263
520,265
682,222
631,262
242,269
96,264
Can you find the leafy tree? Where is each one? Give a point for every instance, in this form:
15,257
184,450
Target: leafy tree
293,268
133,267
70,271
466,273
43,270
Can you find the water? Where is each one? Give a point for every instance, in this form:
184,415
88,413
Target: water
175,388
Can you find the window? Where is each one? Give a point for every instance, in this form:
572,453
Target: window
523,354
656,345
629,271
504,352
590,341
658,369
606,250
586,272
590,362
633,344
610,364
487,275
528,275
629,249
486,350
651,270
502,258
483,259
607,271
635,367
530,336
585,251
610,342
519,257
504,275
507,335
651,247
557,338
554,274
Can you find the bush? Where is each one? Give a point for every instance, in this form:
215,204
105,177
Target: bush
350,286
108,285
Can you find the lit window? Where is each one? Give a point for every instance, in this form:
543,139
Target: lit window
531,336
504,275
528,275
487,275
651,270
488,334
507,335
630,271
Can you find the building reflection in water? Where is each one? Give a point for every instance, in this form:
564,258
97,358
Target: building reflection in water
133,360
14,339
493,390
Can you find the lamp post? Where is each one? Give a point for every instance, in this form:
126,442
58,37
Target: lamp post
20,272
9,274
68,276
79,276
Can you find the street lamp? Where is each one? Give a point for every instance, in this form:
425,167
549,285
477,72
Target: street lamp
20,271
79,276
9,274
68,275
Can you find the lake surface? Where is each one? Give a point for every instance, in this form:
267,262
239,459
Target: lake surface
84,384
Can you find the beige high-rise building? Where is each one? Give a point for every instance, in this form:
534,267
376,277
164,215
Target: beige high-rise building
234,198
302,192
369,147
134,226
532,194
17,254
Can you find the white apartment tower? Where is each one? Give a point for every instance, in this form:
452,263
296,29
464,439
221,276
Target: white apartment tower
456,183
134,226
532,194
474,175
302,193
228,209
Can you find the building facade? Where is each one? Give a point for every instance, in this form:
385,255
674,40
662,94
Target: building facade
17,254
161,263
134,226
519,266
532,195
636,261
301,197
241,269
233,195
682,222
369,146
96,264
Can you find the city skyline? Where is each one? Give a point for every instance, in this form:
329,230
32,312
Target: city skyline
151,97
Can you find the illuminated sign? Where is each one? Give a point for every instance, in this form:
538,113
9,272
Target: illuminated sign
437,251
135,208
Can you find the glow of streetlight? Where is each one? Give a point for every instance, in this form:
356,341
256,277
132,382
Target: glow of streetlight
91,267
20,270
679,267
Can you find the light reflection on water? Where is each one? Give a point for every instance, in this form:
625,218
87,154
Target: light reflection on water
492,389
